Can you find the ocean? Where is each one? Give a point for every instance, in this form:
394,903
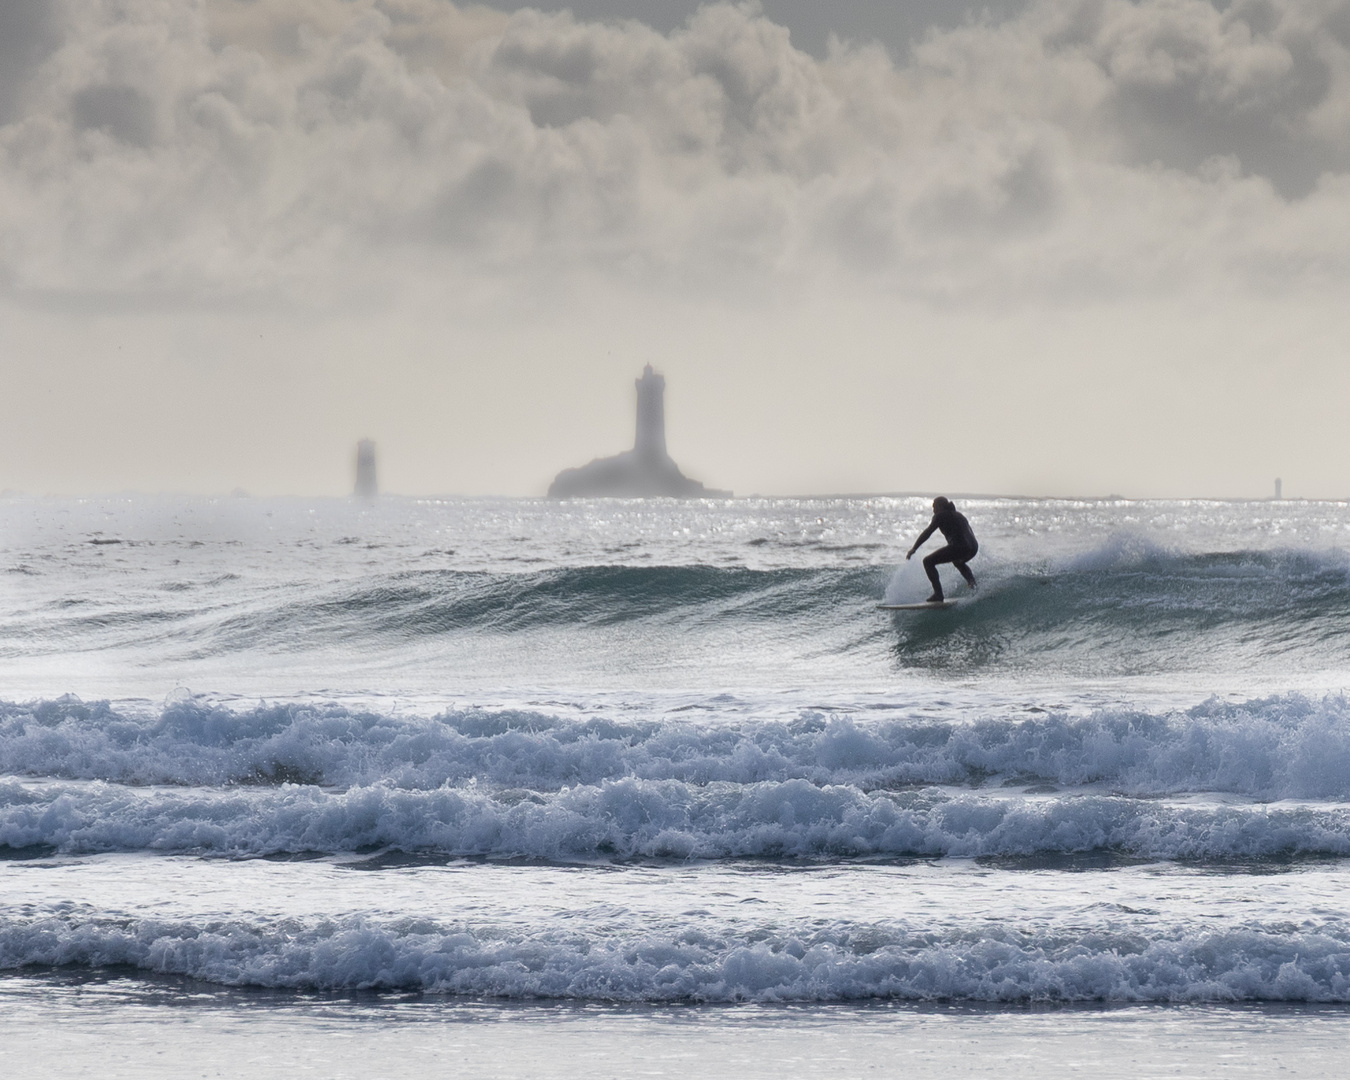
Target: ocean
616,788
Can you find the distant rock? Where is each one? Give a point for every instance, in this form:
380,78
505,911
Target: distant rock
642,472
629,475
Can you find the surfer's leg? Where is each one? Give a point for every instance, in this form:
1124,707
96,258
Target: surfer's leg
965,573
930,565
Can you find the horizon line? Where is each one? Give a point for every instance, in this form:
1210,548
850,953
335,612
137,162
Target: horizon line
239,493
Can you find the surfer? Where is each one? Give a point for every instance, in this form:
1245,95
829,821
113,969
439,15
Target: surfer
960,548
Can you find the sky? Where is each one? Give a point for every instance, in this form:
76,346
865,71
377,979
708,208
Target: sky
1059,247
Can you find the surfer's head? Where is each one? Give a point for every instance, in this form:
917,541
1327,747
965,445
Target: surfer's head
941,503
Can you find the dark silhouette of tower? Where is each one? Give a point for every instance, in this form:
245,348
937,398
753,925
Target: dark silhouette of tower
643,471
650,443
366,485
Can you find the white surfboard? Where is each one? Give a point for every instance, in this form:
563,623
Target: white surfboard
935,605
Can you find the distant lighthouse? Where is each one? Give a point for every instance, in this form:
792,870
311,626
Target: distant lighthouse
366,485
650,442
645,471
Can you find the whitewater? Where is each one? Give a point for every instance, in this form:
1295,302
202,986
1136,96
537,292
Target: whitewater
410,759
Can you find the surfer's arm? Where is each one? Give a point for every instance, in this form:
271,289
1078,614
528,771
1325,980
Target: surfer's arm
922,537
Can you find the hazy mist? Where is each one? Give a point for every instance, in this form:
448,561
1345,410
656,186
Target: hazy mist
1081,246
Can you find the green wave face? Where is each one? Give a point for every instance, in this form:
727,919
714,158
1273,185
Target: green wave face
1154,613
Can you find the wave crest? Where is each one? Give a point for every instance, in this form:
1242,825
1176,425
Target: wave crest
644,819
840,963
1285,747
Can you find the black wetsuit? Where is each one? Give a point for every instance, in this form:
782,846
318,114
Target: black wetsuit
960,548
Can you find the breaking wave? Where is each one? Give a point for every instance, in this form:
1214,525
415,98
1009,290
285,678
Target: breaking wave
1284,747
651,819
198,777
1130,608
705,963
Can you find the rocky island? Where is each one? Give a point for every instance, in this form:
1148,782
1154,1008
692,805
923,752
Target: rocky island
644,471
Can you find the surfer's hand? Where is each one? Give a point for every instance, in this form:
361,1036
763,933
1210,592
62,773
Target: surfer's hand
909,554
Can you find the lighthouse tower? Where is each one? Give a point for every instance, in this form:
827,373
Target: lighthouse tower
366,485
650,443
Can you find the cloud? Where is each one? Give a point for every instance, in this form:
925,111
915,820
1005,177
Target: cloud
303,148
1257,80
28,33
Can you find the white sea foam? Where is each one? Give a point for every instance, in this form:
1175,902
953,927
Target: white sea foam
703,963
663,819
1286,747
